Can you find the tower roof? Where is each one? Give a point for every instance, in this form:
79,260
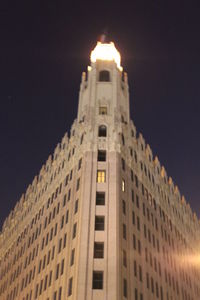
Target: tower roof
106,51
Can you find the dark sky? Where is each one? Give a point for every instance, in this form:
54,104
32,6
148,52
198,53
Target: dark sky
45,45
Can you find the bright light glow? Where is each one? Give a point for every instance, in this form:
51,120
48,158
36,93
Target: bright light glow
107,52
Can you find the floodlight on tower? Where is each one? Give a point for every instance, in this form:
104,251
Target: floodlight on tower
106,51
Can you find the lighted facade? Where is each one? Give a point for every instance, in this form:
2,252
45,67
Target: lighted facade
102,220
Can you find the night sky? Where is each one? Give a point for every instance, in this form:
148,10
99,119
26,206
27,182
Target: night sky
45,46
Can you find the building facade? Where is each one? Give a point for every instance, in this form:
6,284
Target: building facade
102,220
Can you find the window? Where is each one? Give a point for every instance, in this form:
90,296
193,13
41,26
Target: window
98,250
60,293
138,223
62,267
72,257
137,201
135,268
64,200
124,207
100,198
60,245
70,286
134,242
124,259
147,280
123,140
136,294
123,164
133,218
97,283
103,110
99,223
104,76
140,273
81,141
123,185
69,195
152,285
77,184
102,131
124,231
57,271
76,207
67,216
101,176
79,163
125,288
74,231
65,240
101,155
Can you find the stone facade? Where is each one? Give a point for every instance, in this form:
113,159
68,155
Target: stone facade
102,220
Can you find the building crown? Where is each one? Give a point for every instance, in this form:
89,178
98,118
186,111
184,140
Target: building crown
106,51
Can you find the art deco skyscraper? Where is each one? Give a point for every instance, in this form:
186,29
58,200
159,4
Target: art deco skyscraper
102,220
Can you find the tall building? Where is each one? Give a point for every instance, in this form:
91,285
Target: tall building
102,220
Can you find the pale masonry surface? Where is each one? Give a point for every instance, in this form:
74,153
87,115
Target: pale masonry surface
102,220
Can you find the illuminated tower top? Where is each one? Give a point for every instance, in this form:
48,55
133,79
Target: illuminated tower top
104,85
106,52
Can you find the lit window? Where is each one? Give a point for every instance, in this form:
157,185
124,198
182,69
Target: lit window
103,110
123,185
101,176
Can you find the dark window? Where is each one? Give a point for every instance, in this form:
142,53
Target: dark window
134,241
79,163
77,184
72,257
70,286
74,231
101,155
136,294
60,293
123,140
99,223
98,250
125,288
64,199
57,271
76,207
69,195
123,164
104,76
124,207
124,259
97,280
100,198
81,141
140,273
124,231
62,267
137,201
102,131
